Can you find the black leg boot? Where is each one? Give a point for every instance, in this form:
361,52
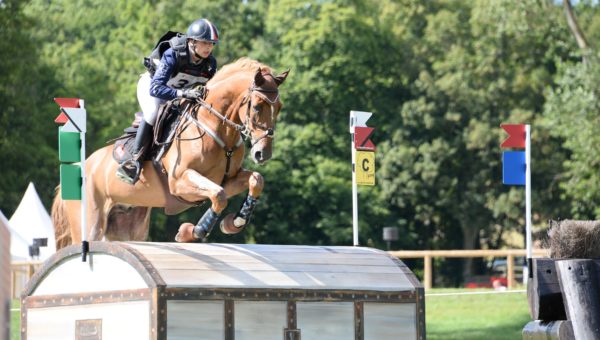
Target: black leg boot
205,225
130,170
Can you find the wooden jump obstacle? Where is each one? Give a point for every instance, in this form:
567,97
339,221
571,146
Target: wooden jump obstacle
143,290
564,299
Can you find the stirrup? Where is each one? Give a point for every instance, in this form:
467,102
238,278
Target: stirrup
129,171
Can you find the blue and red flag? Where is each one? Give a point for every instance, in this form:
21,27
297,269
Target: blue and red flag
513,162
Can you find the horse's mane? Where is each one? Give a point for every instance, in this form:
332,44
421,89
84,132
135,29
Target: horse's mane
243,64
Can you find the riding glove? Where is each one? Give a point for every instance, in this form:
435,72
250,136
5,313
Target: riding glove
193,94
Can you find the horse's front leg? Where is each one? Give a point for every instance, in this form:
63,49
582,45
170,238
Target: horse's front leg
194,187
254,182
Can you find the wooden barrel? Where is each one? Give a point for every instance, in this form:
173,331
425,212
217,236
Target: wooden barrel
223,291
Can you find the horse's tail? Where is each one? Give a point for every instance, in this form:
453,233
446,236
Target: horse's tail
62,232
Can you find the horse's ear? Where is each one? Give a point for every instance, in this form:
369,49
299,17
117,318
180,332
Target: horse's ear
281,78
258,78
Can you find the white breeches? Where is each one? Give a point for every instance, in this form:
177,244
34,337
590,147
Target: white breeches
148,103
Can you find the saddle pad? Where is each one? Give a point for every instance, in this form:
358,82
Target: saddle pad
123,148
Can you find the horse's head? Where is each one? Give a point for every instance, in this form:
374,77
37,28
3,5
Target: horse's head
259,114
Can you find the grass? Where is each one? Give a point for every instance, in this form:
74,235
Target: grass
471,317
15,321
464,317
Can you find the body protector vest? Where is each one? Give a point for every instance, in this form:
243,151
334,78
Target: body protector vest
186,74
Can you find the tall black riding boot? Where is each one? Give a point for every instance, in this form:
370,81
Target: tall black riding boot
130,170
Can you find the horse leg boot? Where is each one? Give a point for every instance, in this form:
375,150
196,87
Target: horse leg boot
130,170
233,225
205,225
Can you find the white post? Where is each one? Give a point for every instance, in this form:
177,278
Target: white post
84,236
528,190
354,195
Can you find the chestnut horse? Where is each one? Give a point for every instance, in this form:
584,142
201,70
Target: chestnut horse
204,162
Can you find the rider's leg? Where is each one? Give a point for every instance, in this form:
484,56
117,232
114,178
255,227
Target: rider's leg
130,170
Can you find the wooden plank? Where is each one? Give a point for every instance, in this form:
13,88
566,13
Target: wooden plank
352,259
250,249
543,292
388,321
326,320
579,284
548,330
195,319
251,266
276,279
260,319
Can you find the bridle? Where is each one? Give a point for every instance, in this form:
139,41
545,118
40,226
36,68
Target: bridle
249,126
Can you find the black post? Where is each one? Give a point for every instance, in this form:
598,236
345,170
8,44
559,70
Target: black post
85,248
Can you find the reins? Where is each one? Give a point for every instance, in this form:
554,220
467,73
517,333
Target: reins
245,130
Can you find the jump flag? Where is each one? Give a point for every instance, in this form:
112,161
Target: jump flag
363,160
71,153
73,118
513,162
516,170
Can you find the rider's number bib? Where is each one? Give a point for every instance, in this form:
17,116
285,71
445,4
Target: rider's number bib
183,80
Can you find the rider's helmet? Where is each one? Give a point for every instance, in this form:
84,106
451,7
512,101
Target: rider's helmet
203,30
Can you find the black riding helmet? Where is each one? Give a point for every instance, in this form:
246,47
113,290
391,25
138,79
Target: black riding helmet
203,30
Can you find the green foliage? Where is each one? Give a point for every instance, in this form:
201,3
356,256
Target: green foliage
573,114
27,144
439,76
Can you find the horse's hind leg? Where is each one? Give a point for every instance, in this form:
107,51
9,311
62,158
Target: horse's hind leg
254,182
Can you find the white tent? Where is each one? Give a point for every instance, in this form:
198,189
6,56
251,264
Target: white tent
19,249
31,220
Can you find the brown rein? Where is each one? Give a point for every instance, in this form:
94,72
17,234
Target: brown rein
245,129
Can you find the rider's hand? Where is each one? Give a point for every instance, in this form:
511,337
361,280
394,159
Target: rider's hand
193,94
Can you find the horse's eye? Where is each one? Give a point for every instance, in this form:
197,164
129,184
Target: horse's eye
255,109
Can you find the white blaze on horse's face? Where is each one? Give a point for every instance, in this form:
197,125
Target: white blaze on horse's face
262,114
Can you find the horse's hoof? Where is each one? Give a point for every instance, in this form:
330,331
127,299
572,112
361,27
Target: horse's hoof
185,233
228,225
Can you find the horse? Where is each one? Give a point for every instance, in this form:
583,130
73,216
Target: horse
204,162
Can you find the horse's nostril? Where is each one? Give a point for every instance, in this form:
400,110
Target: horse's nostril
258,155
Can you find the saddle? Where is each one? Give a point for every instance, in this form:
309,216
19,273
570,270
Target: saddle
164,133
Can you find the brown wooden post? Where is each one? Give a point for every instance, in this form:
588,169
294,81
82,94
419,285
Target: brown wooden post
428,276
579,284
13,282
510,271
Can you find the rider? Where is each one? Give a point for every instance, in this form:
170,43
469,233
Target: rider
181,73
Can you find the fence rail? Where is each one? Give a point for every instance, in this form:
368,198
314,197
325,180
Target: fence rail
428,255
20,273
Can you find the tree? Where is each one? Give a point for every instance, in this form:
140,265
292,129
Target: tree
27,143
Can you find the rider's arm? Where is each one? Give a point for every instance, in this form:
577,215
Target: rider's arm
166,68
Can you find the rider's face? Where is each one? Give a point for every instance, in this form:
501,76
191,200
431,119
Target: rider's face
203,48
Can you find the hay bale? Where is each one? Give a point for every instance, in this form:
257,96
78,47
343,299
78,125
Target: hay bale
571,239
